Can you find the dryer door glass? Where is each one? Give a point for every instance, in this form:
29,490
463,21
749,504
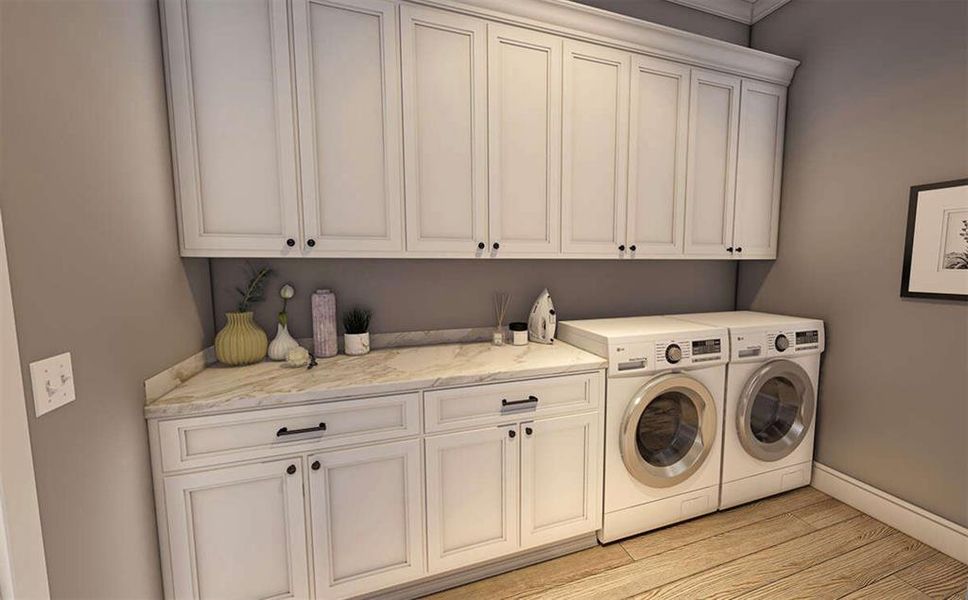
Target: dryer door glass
775,410
668,430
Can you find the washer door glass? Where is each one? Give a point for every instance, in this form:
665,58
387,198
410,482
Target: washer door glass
775,410
668,430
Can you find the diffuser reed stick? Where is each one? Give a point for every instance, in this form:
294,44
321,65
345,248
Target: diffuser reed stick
501,302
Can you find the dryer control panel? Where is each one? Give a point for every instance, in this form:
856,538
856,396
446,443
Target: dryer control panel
671,353
780,342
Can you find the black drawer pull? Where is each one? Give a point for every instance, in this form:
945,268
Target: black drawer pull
284,431
530,399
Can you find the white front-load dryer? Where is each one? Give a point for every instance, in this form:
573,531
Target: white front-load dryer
663,415
771,402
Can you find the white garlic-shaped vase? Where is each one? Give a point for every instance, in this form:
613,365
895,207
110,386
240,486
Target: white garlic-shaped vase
279,347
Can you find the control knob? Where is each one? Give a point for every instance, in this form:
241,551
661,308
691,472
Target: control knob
673,353
781,343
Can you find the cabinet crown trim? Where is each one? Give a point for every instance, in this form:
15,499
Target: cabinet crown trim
599,26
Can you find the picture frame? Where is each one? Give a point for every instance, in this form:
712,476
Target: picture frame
936,246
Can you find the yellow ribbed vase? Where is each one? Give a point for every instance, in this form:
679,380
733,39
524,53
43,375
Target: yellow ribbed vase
241,341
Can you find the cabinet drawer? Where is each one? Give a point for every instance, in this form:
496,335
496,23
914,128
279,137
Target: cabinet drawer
503,402
203,441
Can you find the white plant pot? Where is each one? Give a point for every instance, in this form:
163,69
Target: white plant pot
355,344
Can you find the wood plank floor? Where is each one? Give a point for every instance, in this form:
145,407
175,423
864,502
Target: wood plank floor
802,544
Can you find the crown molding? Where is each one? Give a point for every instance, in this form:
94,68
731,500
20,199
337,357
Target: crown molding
743,11
585,23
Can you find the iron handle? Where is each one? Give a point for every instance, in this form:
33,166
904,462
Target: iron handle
730,249
528,431
512,433
290,242
310,242
481,245
529,400
315,466
291,469
740,249
621,248
496,245
284,431
632,247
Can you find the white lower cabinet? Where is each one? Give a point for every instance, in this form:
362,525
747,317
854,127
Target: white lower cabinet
472,496
560,478
367,518
238,532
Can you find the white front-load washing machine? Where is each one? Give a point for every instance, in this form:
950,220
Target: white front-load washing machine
663,413
771,402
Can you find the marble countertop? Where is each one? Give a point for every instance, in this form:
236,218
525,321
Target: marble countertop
391,370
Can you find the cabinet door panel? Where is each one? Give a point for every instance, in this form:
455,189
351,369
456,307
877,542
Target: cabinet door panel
472,497
232,125
758,169
238,532
594,149
658,139
560,478
710,185
445,125
367,515
347,74
524,140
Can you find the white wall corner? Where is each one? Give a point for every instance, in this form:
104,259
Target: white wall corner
762,8
937,532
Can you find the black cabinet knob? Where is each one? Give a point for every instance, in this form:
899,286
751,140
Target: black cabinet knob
315,466
290,242
310,242
739,249
528,431
632,247
622,248
730,249
291,469
481,245
512,433
495,245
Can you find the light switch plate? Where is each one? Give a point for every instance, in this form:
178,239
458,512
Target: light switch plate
53,382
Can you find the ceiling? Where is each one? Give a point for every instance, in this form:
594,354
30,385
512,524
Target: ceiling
744,11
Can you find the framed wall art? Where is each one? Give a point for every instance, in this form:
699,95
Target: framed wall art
936,249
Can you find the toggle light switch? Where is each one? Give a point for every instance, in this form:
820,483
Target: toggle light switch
53,382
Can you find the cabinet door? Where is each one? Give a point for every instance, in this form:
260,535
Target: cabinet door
658,139
233,139
524,140
594,151
444,130
758,168
238,532
351,147
561,480
472,496
710,184
367,518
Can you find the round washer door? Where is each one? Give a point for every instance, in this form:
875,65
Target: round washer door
775,410
668,430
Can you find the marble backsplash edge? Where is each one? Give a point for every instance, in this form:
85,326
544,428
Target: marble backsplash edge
164,382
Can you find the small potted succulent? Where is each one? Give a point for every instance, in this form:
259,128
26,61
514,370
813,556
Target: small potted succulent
241,341
356,331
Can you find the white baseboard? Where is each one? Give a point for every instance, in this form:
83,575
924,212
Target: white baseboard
939,533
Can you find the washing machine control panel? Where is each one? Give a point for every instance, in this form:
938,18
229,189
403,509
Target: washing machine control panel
776,343
670,353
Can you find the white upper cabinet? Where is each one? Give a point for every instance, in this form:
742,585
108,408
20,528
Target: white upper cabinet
710,180
348,83
658,140
445,131
233,139
594,151
524,141
238,532
367,518
560,478
759,164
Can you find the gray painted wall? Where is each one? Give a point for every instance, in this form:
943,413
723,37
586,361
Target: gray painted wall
879,103
678,16
87,201
414,295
